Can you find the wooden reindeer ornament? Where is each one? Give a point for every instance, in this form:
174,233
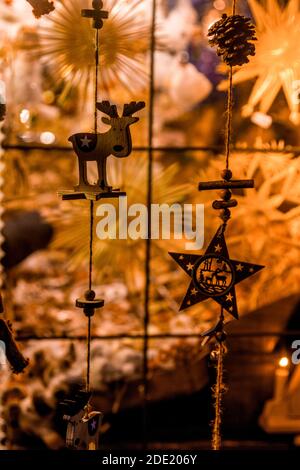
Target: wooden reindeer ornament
83,430
97,147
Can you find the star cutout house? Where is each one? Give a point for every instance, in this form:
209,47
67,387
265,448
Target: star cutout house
214,275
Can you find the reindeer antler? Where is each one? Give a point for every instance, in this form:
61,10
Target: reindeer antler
133,107
107,108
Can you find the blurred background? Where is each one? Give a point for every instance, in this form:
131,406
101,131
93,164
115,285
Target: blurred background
47,67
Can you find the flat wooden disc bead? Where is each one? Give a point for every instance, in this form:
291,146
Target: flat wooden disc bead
83,303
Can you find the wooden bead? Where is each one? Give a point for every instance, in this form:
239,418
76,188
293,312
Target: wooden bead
224,204
226,174
89,305
221,336
97,4
225,194
225,214
89,295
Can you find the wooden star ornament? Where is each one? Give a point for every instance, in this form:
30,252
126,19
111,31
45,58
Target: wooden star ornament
214,275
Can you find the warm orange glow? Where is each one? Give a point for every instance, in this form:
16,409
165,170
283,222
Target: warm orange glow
219,4
283,362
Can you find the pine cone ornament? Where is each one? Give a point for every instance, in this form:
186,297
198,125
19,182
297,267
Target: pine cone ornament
231,36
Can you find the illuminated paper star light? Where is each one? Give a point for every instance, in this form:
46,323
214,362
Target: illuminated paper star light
276,64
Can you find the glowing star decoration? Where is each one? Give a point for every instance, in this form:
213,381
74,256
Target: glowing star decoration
67,45
276,64
214,275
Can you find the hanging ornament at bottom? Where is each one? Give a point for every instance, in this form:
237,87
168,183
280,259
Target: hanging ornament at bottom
83,430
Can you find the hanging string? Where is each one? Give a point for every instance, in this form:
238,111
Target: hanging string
219,388
96,80
2,172
218,394
232,36
2,169
218,391
88,354
91,234
229,107
91,245
148,240
229,118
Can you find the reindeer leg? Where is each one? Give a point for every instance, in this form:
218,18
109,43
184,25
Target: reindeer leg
83,182
102,181
81,171
84,173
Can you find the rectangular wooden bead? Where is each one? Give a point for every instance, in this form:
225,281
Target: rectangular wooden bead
234,184
68,195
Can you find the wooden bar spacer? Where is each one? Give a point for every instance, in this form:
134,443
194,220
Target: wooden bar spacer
233,184
97,14
69,194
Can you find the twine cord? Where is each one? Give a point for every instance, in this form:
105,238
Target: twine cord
229,118
96,80
148,240
2,168
218,395
220,387
233,7
218,391
91,245
229,107
88,356
91,228
2,172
